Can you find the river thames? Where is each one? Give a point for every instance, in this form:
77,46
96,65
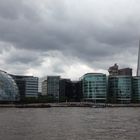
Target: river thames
70,123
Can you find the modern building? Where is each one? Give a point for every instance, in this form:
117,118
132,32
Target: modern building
8,88
94,87
27,85
77,94
65,88
71,90
136,89
53,86
115,71
119,89
125,71
44,88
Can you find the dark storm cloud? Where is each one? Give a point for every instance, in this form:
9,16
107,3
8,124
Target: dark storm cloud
92,31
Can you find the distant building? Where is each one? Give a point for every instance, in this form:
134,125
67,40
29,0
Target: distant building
77,90
136,89
94,87
136,82
44,87
53,86
65,88
113,70
71,90
125,71
27,85
119,89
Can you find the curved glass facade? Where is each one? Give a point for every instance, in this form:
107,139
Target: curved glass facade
136,90
94,87
120,89
8,88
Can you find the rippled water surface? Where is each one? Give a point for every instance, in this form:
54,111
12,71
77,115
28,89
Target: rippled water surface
70,124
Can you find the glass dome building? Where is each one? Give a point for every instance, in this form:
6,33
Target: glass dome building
8,88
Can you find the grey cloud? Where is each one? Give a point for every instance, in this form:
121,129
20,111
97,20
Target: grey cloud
94,32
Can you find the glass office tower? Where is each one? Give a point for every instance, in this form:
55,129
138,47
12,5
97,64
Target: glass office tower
27,85
120,89
8,88
136,89
94,87
53,86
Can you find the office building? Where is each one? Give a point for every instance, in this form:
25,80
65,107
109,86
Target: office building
71,90
136,89
53,86
125,71
115,71
94,87
27,85
119,89
77,94
8,88
65,88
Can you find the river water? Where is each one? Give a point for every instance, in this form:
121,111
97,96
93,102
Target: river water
70,124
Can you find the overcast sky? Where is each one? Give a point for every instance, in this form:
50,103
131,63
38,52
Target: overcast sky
68,37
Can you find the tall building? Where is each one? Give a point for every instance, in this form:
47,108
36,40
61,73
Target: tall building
136,82
65,88
71,90
119,89
94,87
8,88
31,86
27,85
77,90
115,71
53,86
125,71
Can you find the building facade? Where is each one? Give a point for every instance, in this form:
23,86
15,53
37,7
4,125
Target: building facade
8,88
27,85
94,87
53,86
115,71
71,90
125,71
65,88
31,86
136,89
119,89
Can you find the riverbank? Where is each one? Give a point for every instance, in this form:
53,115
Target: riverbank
69,104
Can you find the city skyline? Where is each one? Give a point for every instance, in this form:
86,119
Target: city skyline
68,38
